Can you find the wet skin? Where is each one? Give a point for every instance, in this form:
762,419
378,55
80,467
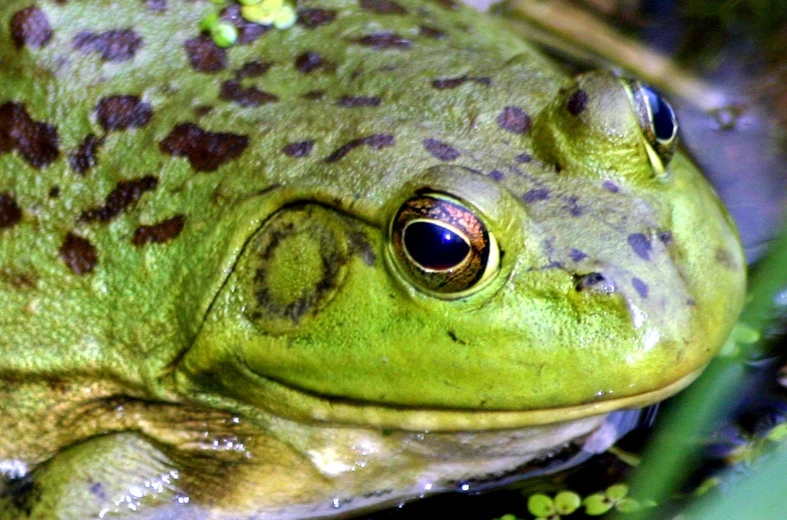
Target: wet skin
382,251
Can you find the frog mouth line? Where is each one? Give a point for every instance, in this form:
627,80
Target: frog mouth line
293,403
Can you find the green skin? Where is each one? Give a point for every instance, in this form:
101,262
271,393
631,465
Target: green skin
232,332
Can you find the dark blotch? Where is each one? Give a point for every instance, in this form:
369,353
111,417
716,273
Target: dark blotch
36,142
383,6
246,97
117,45
156,6
359,101
497,175
523,158
30,27
441,150
572,205
253,69
24,493
449,83
299,149
309,61
85,158
384,40
54,192
610,187
125,194
164,231
641,287
313,95
641,245
123,112
455,338
431,32
313,17
78,254
10,212
206,151
204,55
535,195
665,237
577,255
577,102
514,119
376,141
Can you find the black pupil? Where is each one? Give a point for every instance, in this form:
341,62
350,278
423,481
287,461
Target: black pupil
434,246
663,115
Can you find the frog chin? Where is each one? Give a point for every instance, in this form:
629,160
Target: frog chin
293,403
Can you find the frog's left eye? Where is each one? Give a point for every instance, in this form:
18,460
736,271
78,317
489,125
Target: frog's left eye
442,246
658,121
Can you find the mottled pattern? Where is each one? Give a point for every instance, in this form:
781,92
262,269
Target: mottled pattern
441,150
123,112
384,40
10,212
376,141
85,157
205,56
245,97
125,194
514,119
159,233
315,17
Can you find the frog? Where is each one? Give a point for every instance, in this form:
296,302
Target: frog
319,268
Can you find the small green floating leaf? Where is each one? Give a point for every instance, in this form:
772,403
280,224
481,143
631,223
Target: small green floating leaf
224,34
596,504
540,505
566,502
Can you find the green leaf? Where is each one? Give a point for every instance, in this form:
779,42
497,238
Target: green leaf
566,502
540,505
597,504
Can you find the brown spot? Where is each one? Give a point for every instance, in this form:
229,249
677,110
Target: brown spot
383,6
359,101
19,280
206,151
30,27
428,31
156,6
10,212
376,141
202,110
726,259
204,55
117,45
447,4
309,61
125,194
497,175
36,142
449,83
54,192
253,69
164,231
313,95
85,157
246,97
640,286
441,150
535,195
577,102
299,149
312,18
383,40
641,245
78,254
514,119
123,112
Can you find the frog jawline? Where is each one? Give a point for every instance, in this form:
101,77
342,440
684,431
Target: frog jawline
292,403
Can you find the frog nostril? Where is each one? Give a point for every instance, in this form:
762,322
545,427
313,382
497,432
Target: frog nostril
596,282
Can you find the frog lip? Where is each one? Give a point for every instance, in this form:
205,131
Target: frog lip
293,403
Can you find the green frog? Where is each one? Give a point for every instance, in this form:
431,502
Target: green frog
383,251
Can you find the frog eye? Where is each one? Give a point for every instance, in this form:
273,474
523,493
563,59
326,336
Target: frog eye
658,122
442,246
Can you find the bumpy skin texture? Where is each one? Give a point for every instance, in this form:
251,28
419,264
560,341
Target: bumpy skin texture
201,313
